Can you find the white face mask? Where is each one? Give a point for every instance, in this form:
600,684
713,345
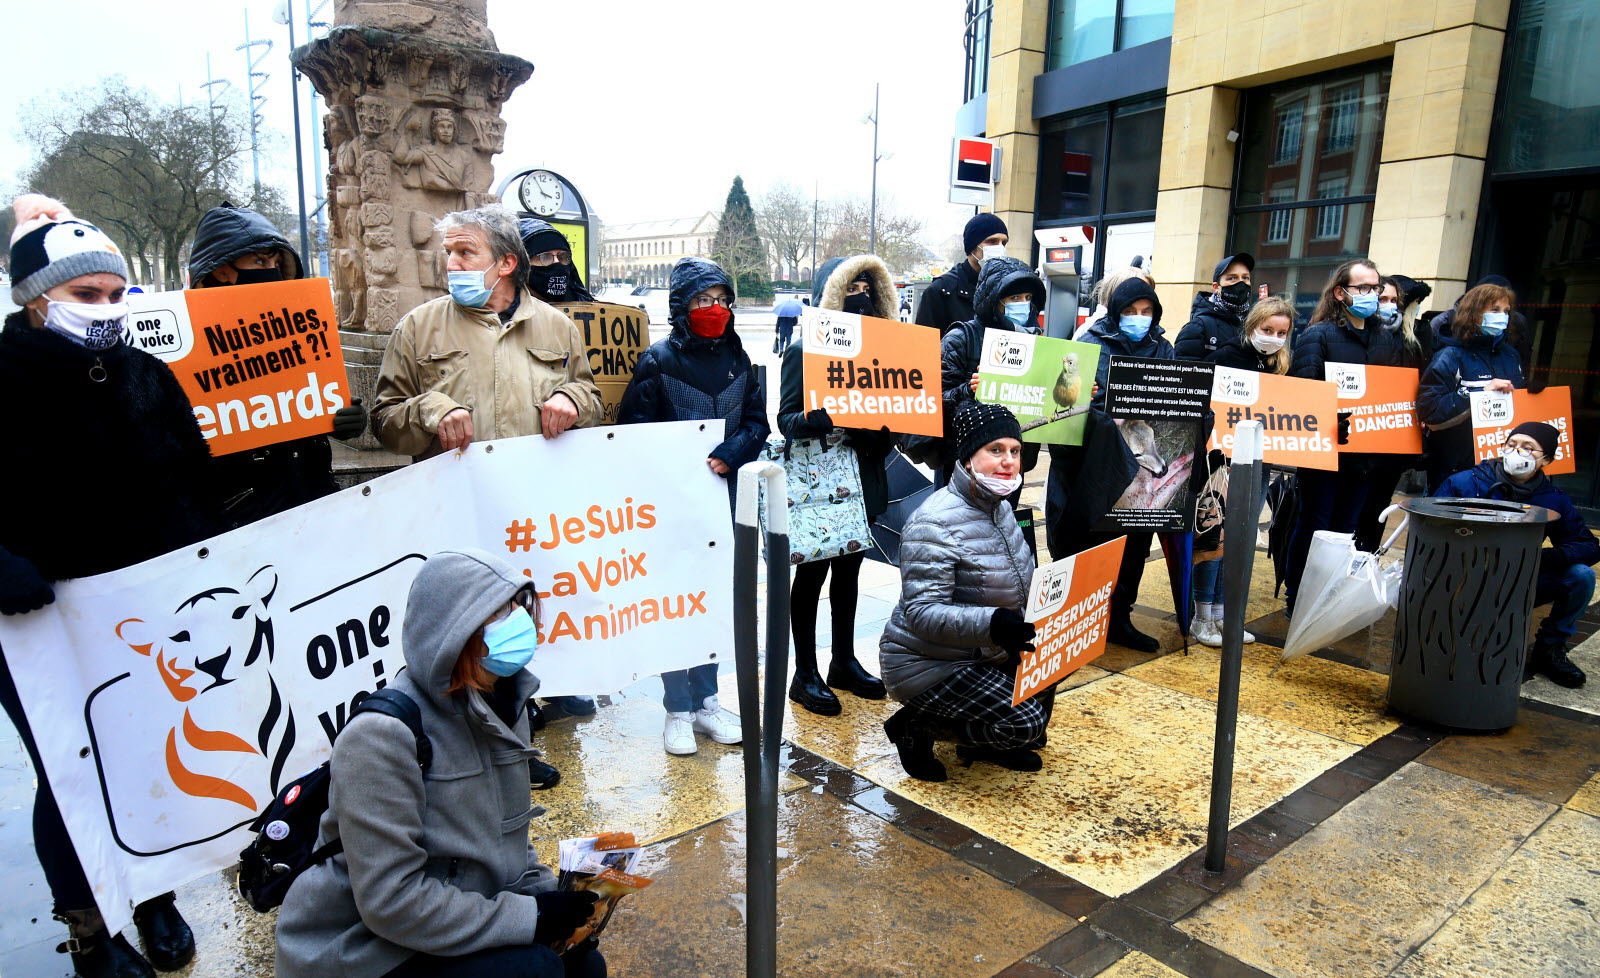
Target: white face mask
1267,344
993,251
1516,462
998,486
91,325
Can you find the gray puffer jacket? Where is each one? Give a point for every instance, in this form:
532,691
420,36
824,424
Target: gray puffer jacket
438,863
962,555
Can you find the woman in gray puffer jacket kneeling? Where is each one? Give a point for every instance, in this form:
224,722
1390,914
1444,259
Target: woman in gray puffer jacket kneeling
437,877
952,647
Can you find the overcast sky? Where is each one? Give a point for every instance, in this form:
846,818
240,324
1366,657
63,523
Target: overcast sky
650,108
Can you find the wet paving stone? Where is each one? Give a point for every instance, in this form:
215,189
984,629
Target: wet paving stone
1155,588
855,897
1543,757
1354,896
1586,698
1082,953
1125,789
1587,798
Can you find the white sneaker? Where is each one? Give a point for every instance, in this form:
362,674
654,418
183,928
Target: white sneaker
1205,631
1248,638
678,737
717,723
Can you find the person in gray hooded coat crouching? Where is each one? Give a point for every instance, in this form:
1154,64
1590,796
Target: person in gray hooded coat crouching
952,647
437,877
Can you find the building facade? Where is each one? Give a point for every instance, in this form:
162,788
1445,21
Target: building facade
1445,139
644,253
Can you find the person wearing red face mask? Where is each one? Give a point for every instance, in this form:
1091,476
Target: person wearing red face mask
700,372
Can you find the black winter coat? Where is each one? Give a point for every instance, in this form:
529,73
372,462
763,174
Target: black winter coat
692,378
949,299
1107,334
122,474
1085,482
872,447
229,232
962,346
1241,355
1208,330
1335,342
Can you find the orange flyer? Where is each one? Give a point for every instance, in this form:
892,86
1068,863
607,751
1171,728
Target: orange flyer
1299,416
261,363
872,373
1383,406
1069,602
1495,414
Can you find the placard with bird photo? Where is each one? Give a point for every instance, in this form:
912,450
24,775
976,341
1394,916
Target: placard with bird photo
1046,382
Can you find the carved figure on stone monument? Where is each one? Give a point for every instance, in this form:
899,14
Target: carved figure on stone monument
491,132
375,175
349,286
383,309
339,139
382,261
440,164
374,115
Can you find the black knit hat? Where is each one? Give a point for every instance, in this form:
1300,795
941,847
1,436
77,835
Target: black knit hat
539,237
977,424
1546,435
980,227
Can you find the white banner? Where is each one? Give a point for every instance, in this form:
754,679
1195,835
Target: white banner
172,699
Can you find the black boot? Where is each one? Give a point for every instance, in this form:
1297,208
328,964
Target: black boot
96,953
845,673
909,734
1550,658
541,775
1011,760
168,941
1123,633
808,689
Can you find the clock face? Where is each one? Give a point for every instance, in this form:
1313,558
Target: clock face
541,193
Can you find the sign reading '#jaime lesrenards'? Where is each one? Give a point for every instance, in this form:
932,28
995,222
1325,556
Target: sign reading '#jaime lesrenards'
872,373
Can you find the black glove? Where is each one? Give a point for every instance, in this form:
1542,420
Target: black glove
22,589
1344,427
561,912
349,422
1011,633
819,421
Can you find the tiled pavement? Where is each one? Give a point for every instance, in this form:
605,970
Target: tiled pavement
1362,845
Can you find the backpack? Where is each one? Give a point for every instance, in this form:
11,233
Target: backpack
286,830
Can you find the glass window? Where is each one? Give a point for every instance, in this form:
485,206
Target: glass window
1286,133
1330,220
1344,111
1081,30
1144,21
1551,118
1071,167
1306,130
1135,158
1280,221
977,45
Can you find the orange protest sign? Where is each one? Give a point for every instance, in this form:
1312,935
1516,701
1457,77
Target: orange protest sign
1299,416
1382,402
870,373
1494,414
1069,602
261,363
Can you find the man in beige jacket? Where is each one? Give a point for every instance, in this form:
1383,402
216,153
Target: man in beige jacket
486,361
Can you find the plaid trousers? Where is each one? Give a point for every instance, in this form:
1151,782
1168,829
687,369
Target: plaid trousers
977,702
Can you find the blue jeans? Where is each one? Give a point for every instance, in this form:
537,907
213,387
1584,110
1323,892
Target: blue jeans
1568,592
1205,581
685,690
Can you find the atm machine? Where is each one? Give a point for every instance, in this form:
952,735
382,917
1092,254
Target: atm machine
1060,266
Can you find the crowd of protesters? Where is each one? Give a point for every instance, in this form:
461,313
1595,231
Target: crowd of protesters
494,358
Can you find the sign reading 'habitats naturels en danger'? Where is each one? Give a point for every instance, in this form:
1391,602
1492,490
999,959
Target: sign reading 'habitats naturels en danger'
1069,602
171,700
1045,382
261,363
1382,404
872,373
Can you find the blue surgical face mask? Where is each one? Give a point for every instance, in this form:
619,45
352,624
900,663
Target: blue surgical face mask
511,642
1495,323
1020,313
1362,306
1135,328
1389,315
467,289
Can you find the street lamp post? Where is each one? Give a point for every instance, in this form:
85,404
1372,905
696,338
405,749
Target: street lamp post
872,219
285,15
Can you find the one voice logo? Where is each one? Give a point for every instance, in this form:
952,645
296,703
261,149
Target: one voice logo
1007,354
834,333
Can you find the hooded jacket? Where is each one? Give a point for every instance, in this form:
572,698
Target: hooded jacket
1571,541
1459,367
871,447
962,346
131,436
1085,482
437,863
962,555
229,232
537,238
696,378
443,355
263,481
949,299
1107,333
1209,328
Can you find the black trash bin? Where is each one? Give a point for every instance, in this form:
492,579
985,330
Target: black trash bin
1462,631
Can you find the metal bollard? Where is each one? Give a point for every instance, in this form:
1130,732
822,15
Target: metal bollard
762,723
1238,560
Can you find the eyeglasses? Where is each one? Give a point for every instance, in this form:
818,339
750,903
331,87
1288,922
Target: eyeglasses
857,288
559,256
706,301
1363,289
526,599
1536,454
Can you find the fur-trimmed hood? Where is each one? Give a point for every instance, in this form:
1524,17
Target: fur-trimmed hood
884,298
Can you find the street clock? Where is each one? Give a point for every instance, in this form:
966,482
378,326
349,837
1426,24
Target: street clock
542,193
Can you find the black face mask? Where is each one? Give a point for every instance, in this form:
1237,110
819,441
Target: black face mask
1236,298
860,304
550,282
255,276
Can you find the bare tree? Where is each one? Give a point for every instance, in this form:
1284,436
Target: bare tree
784,221
143,169
846,230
